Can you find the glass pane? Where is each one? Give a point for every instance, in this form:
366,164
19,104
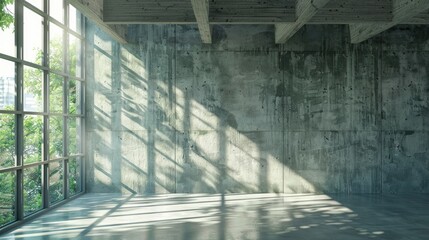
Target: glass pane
74,126
56,10
7,33
7,85
56,137
56,93
75,181
56,183
75,92
7,140
75,19
7,198
56,43
32,189
36,3
33,95
33,138
33,37
75,56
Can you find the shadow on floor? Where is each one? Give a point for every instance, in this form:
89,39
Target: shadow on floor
235,216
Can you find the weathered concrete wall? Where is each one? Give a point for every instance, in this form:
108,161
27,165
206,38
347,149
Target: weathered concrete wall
166,113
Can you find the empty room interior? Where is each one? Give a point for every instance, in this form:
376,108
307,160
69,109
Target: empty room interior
214,119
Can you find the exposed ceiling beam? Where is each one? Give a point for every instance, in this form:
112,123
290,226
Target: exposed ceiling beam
201,11
93,10
305,10
402,11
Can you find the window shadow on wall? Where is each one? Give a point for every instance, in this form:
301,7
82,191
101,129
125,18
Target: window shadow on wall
159,126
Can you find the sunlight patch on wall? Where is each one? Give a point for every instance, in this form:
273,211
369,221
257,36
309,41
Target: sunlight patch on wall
104,43
129,60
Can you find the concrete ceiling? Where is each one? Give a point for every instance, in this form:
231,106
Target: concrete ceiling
366,18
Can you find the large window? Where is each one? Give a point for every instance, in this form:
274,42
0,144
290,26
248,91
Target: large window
41,100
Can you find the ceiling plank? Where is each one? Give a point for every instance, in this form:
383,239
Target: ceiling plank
422,18
402,11
181,11
354,11
201,11
148,11
250,12
305,10
93,10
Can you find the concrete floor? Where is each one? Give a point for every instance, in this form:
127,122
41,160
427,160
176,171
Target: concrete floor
238,216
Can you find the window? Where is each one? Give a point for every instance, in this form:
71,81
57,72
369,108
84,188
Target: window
7,35
33,36
7,197
41,89
7,85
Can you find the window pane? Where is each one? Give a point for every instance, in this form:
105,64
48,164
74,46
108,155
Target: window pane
33,138
33,37
75,181
56,10
7,198
56,93
74,129
7,140
7,85
36,3
75,92
7,34
33,95
56,137
75,19
56,184
32,190
75,56
56,44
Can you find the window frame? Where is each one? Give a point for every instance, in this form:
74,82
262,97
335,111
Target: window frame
20,167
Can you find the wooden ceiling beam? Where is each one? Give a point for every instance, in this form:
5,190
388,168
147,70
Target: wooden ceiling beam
305,10
402,11
93,10
201,11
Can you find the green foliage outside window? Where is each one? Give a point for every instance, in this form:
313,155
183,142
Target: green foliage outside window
7,139
7,197
6,16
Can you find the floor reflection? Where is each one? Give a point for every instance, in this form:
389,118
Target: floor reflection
234,216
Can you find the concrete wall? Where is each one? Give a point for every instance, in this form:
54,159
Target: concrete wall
168,114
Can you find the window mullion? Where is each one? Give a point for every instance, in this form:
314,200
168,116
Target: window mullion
83,102
19,19
45,86
65,101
